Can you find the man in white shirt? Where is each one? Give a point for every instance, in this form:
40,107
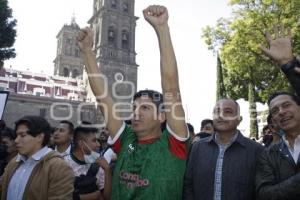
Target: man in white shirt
85,161
62,137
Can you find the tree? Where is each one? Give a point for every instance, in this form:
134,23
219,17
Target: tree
248,73
7,32
221,92
253,113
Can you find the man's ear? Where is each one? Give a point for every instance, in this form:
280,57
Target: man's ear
41,137
240,118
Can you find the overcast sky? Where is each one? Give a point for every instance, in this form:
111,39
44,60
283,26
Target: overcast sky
39,21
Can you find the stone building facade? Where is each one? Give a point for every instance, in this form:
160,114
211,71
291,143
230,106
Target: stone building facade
113,23
68,61
67,95
53,110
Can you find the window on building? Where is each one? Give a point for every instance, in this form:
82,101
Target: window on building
125,7
74,73
97,35
113,3
111,36
42,112
77,52
68,50
57,91
125,40
112,54
83,116
69,41
66,72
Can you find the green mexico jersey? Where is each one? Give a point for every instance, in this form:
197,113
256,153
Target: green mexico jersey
149,170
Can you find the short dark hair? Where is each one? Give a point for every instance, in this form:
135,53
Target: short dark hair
206,121
36,125
84,129
190,127
9,133
266,127
294,97
71,126
2,124
156,97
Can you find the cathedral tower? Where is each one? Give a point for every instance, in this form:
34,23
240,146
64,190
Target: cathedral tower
68,62
113,23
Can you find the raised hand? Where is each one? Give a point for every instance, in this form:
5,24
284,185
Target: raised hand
85,39
156,15
103,163
280,46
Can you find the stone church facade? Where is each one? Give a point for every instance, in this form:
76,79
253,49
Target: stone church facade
113,23
66,94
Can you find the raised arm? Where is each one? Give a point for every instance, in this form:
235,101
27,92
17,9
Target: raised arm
97,81
157,16
281,52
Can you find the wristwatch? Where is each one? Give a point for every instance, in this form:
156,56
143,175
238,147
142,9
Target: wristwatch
290,65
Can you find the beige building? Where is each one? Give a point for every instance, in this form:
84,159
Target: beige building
66,95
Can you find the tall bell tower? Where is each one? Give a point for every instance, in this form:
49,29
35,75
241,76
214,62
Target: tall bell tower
68,61
113,23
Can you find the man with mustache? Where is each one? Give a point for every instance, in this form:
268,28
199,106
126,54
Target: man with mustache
222,166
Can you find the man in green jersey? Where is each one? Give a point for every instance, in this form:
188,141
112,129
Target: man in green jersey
151,161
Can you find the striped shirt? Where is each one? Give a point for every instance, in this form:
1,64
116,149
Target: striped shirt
219,165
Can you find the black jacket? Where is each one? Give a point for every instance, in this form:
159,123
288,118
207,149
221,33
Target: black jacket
277,176
294,79
238,176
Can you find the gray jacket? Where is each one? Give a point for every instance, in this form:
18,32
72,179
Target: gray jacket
239,165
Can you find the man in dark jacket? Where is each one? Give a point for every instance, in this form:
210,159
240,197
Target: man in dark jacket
222,166
278,176
278,170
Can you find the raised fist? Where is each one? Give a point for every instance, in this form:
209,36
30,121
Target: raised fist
156,15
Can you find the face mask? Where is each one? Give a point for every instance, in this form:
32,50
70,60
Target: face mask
3,151
91,158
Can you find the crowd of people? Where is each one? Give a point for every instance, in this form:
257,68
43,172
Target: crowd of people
143,159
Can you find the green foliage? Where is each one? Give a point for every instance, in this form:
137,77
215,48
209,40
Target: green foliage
7,32
216,37
247,72
239,40
221,92
253,113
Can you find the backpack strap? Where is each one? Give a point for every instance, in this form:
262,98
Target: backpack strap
104,150
93,170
